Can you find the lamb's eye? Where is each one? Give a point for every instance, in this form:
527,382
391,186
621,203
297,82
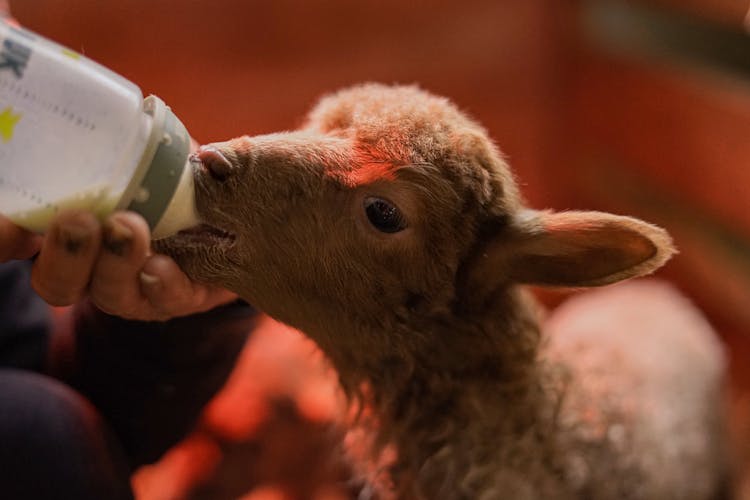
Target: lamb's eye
384,215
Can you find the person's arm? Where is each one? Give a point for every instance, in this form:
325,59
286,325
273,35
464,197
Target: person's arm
151,379
25,320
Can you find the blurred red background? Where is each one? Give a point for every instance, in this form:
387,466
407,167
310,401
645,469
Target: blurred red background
634,107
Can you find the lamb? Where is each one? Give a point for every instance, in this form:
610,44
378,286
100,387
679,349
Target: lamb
390,230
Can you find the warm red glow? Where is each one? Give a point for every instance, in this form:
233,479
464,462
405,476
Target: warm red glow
188,464
369,173
276,362
368,166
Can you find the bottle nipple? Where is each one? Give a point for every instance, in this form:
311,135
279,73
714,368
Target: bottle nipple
181,212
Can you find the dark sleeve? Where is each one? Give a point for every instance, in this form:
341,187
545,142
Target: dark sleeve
25,319
150,380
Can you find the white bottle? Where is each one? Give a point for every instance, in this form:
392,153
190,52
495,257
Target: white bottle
74,134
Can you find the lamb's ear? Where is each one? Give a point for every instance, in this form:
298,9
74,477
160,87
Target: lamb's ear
573,249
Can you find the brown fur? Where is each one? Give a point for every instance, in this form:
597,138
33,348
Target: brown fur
428,326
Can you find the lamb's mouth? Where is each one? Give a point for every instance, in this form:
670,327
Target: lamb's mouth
204,235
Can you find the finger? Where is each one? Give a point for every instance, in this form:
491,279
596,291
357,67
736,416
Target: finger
115,286
63,268
168,289
15,242
173,293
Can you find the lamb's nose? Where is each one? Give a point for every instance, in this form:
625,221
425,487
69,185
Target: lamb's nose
216,163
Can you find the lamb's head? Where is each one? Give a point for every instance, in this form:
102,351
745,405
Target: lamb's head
388,206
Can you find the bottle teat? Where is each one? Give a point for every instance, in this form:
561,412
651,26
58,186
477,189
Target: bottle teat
180,212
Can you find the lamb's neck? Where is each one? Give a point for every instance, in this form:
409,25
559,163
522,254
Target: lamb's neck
455,387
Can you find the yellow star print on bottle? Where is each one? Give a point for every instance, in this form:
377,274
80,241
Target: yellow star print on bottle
8,120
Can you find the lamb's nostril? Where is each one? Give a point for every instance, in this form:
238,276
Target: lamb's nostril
216,163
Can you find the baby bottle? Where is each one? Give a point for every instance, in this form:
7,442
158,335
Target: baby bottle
74,134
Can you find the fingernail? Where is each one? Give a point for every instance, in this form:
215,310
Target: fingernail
118,237
149,279
73,237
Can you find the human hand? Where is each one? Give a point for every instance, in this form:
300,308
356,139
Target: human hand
15,242
112,263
